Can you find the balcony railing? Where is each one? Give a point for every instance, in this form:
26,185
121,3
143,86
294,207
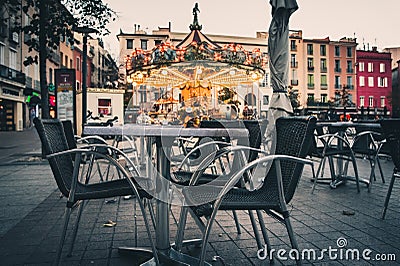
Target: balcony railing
338,86
293,48
324,86
338,70
294,82
12,74
310,85
350,70
310,68
324,70
294,64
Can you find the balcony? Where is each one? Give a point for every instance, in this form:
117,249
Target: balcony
310,85
338,70
324,70
324,86
293,48
294,64
294,82
12,74
338,86
310,69
350,70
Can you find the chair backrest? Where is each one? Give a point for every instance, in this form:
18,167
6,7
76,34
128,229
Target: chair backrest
51,133
69,133
293,137
391,130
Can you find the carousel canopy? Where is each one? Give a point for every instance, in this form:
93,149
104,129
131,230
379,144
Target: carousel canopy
196,61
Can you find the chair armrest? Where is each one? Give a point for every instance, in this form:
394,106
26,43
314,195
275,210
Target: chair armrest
203,145
88,138
212,157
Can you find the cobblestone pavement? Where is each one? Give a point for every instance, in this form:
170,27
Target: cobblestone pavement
32,210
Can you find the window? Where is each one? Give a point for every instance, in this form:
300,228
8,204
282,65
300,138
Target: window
293,62
104,106
324,82
293,46
78,63
71,64
350,82
78,86
13,59
349,66
370,81
323,65
310,63
310,81
371,101
61,59
323,50
310,98
264,82
129,44
382,67
383,98
143,44
324,98
310,50
370,67
362,81
337,50
337,82
337,66
362,101
157,42
50,75
382,82
361,66
265,99
1,54
66,61
349,52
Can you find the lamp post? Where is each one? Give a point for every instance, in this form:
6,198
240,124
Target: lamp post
85,31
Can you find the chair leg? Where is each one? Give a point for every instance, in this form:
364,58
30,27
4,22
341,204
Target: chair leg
380,169
292,237
181,228
74,233
372,176
67,215
353,160
236,222
388,195
265,234
255,230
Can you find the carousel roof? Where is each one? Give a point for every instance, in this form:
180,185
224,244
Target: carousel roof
195,61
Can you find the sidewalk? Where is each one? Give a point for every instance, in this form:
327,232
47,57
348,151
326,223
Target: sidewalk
31,220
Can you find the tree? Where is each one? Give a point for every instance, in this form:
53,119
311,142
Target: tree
53,20
342,97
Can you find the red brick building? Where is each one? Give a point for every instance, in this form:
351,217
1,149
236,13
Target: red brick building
374,79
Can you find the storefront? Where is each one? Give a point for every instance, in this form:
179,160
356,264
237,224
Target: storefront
11,109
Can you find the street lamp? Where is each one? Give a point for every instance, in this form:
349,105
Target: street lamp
85,31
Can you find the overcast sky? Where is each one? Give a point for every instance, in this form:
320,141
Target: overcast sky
370,21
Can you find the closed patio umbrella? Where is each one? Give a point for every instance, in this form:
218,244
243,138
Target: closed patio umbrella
278,50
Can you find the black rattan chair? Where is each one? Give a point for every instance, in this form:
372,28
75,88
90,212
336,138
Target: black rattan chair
294,135
391,130
66,171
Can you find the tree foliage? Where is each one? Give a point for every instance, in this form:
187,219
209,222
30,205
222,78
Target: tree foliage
293,97
342,97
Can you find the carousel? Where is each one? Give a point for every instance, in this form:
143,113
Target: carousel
200,76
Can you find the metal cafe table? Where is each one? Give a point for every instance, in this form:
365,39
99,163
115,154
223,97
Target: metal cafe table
164,136
340,128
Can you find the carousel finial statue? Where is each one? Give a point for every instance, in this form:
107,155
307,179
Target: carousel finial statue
195,25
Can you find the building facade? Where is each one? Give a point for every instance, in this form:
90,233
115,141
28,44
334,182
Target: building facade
374,79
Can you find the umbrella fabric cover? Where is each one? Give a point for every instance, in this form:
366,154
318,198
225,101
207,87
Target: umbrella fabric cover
278,50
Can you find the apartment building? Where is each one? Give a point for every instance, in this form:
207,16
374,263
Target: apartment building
320,67
374,79
12,77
